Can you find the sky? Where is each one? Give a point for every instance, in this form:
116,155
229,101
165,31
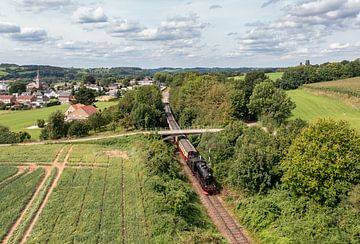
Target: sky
178,33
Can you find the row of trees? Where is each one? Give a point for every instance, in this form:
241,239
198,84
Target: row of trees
201,100
57,127
305,74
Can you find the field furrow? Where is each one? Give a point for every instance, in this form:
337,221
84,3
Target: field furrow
15,197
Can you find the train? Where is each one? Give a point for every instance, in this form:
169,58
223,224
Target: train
193,159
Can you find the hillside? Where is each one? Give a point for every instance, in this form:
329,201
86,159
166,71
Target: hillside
311,106
350,87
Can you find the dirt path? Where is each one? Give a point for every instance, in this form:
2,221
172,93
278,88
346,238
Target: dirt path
28,205
60,168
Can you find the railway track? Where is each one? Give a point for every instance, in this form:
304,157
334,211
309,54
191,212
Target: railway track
223,220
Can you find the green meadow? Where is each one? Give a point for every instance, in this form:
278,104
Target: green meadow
21,120
273,76
311,107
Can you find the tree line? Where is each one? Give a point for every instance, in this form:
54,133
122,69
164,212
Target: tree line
304,74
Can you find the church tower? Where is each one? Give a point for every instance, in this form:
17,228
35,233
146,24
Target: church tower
37,79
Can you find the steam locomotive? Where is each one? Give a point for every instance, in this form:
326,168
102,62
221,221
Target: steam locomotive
193,159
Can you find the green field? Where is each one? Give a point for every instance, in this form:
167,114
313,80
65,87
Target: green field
2,74
20,120
273,76
117,199
311,107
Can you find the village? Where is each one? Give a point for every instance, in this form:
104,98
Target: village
38,94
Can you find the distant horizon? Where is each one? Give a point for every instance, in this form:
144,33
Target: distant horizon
179,33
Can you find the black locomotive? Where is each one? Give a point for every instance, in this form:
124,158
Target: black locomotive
193,159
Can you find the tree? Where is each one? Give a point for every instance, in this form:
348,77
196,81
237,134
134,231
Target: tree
97,120
40,123
323,163
255,167
17,87
85,96
78,128
7,136
269,102
89,79
56,127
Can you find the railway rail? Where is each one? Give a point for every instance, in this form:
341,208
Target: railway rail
224,221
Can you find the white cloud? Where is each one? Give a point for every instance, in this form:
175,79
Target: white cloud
88,15
41,5
215,6
175,28
339,45
124,27
6,27
30,35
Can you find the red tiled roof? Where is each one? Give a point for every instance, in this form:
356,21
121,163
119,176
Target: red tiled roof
90,109
25,97
78,105
6,96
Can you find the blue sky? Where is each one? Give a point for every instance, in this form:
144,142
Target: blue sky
178,33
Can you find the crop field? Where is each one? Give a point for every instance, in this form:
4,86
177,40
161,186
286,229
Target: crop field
311,107
350,87
29,153
21,120
14,196
91,193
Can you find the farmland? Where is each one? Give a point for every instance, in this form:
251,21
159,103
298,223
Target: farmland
103,193
350,87
311,107
21,120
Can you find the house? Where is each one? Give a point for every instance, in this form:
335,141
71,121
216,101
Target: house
51,94
94,87
25,99
7,99
80,112
73,107
4,86
40,98
146,82
65,97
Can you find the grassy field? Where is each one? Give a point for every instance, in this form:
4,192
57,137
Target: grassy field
2,74
350,87
273,76
116,203
20,120
311,107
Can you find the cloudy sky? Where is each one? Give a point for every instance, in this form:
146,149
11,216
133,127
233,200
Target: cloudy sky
178,33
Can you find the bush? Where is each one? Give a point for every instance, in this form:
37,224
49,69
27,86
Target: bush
40,123
23,136
7,136
78,128
323,163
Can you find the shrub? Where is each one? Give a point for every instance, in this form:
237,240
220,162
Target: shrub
323,163
40,123
78,128
23,136
7,136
